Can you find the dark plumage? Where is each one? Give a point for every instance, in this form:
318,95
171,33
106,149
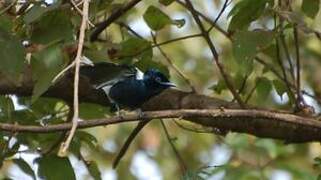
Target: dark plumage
124,85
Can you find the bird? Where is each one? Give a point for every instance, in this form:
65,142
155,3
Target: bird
126,86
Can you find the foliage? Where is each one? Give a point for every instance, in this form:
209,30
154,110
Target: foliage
258,51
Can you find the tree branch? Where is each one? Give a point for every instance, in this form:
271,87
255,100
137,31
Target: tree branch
65,145
207,38
128,142
261,123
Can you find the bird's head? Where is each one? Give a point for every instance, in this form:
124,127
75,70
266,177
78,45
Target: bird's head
156,80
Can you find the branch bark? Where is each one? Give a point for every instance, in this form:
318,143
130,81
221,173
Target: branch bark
262,123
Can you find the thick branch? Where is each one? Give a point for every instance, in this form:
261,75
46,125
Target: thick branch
262,123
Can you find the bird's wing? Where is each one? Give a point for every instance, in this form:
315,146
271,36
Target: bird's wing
105,74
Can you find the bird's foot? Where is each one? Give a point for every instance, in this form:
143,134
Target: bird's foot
140,113
120,114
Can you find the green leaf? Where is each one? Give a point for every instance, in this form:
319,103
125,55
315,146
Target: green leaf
6,108
133,46
6,22
157,19
145,64
166,2
12,54
92,111
244,12
87,138
54,25
24,166
143,51
52,167
317,162
38,10
219,86
46,64
93,170
263,87
280,87
246,44
310,7
34,13
97,55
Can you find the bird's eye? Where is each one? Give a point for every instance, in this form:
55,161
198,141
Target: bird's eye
158,79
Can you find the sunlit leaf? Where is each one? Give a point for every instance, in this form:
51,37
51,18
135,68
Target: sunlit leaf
246,44
157,19
244,12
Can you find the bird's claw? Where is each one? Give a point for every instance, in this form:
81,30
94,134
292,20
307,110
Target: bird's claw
120,114
140,113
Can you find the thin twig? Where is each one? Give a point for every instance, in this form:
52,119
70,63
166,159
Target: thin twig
8,7
207,19
65,145
172,65
80,12
115,15
219,15
177,39
298,67
130,29
62,135
61,73
191,129
251,93
215,55
278,58
240,90
277,74
128,142
287,54
161,44
177,155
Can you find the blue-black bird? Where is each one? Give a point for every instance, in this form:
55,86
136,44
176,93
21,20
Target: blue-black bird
126,86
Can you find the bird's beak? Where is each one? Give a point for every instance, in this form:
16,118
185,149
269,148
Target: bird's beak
169,84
